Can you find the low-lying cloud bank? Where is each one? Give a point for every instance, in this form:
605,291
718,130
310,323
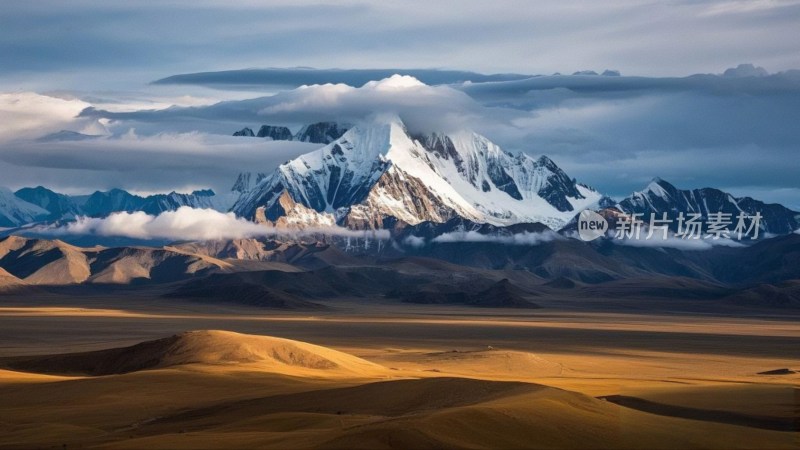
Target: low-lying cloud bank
679,243
524,238
191,224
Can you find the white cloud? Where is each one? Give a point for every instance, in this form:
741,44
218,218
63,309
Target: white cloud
741,7
422,107
184,223
187,223
678,243
524,238
414,241
30,115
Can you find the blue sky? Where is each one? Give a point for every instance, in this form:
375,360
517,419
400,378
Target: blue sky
733,132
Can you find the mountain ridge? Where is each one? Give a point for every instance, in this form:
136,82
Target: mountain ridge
660,197
315,133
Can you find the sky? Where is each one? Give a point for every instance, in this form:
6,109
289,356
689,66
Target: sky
94,67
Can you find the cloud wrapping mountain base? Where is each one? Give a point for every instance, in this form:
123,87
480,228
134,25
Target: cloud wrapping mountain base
193,224
523,238
187,223
679,243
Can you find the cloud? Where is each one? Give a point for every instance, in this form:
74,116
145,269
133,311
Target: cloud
158,150
134,40
30,115
187,223
678,243
298,76
617,132
524,238
158,163
614,133
421,106
414,241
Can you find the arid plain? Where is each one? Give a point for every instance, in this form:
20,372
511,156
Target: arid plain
383,375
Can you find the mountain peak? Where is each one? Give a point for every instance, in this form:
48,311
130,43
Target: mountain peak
660,197
274,132
246,131
545,161
660,187
376,171
745,70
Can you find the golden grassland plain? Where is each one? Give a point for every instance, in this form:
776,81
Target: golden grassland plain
392,376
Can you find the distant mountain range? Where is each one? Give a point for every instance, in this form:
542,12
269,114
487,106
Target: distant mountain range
661,197
39,204
295,274
378,175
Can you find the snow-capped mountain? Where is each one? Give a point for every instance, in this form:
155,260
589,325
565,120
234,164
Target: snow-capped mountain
15,211
315,133
662,197
378,173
